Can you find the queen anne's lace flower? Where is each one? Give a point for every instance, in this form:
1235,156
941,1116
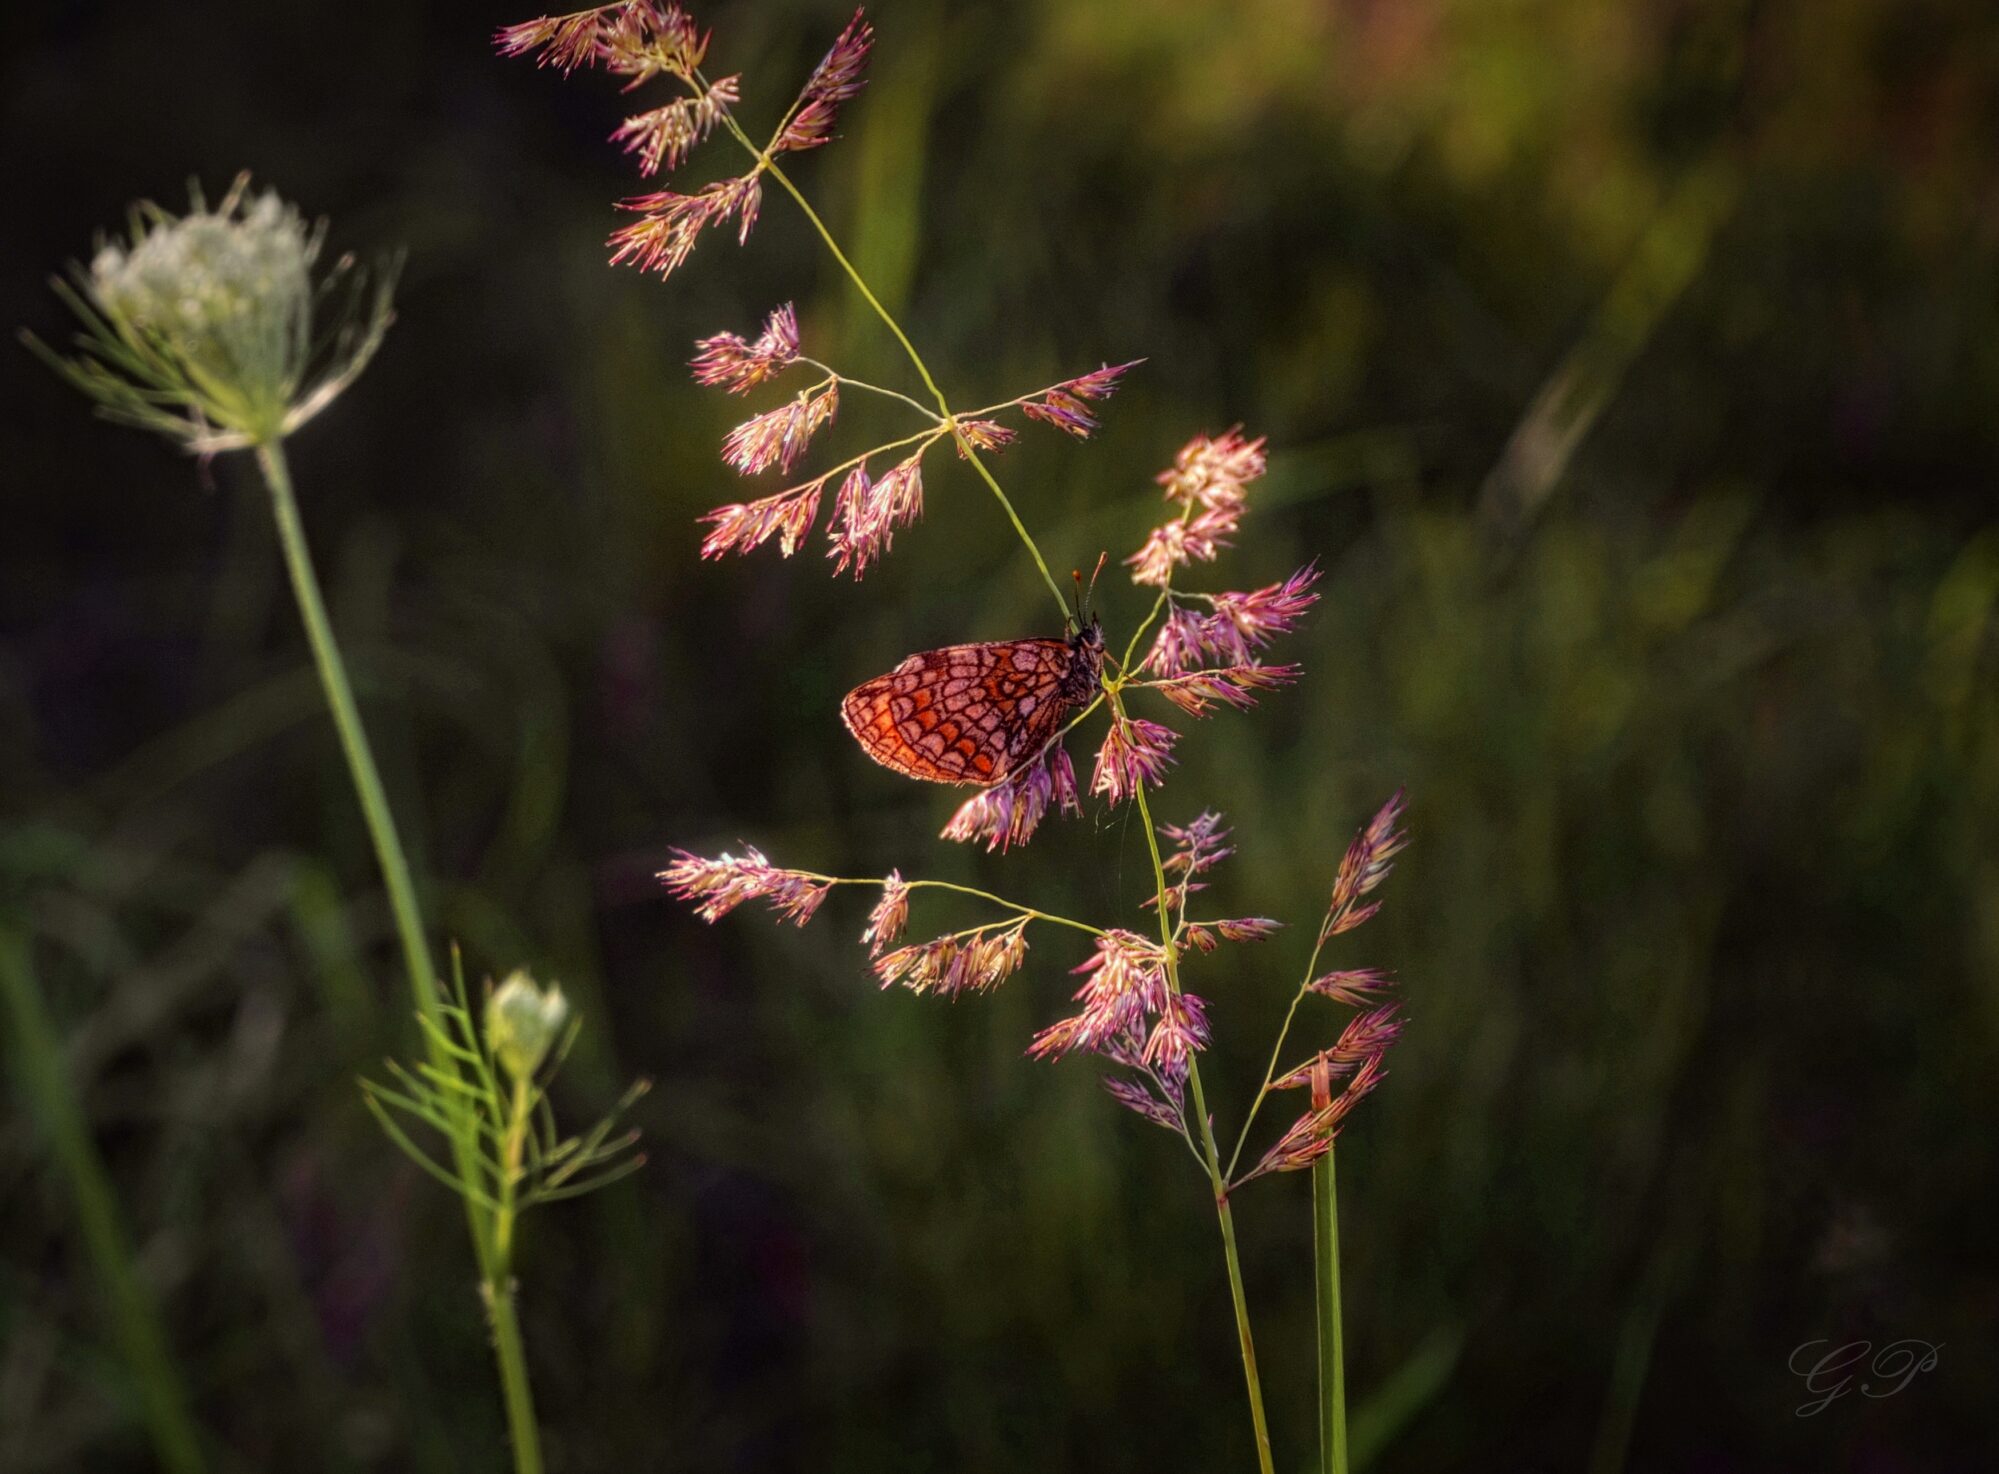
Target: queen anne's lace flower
204,326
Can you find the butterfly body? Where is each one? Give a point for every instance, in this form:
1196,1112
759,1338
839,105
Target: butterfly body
975,713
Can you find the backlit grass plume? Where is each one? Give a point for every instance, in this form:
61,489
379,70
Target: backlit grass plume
1003,709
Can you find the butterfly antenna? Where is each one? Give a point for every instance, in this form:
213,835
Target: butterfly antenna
1084,595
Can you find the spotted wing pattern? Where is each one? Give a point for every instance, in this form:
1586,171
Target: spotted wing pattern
966,713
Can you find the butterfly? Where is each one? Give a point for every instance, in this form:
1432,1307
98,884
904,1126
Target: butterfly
975,713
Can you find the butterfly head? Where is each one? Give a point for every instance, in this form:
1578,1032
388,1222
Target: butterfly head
1086,662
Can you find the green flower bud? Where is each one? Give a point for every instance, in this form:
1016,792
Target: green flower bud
523,1023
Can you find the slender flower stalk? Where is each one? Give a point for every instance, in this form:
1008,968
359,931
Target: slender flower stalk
1332,1400
495,1279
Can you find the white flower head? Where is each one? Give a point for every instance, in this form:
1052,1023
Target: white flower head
202,326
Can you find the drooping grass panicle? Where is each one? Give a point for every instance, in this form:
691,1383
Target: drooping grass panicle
786,515
890,916
671,223
867,512
1124,988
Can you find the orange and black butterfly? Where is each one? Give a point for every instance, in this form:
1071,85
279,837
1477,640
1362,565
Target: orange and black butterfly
975,713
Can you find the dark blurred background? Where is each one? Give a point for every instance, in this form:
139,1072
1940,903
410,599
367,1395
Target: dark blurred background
1629,366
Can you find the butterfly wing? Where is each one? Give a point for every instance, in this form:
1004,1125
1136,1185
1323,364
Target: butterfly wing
963,714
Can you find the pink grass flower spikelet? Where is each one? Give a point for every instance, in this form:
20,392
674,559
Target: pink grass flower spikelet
672,223
1181,644
643,39
719,886
1243,623
1207,480
983,435
1311,1136
1247,928
638,39
890,916
1366,1036
1180,1032
1198,846
1196,692
953,965
778,437
1009,812
1124,986
727,361
1211,472
564,41
867,513
1357,987
742,526
663,136
1066,405
1135,751
1239,625
1134,1096
837,78
1364,866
